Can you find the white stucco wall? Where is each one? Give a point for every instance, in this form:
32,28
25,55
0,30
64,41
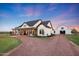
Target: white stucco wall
67,30
47,31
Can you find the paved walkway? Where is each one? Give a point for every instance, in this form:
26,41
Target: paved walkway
54,46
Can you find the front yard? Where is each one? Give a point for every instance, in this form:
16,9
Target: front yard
74,38
7,43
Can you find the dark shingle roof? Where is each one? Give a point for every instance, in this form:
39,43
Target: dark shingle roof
16,28
32,23
45,23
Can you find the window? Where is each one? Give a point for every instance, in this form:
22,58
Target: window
62,27
24,26
54,31
41,31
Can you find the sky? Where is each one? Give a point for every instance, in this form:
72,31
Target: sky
14,14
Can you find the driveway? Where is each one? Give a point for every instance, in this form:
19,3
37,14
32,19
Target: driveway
53,46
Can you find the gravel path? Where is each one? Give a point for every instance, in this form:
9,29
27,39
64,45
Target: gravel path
53,46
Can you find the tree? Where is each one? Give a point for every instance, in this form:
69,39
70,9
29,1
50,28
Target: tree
74,31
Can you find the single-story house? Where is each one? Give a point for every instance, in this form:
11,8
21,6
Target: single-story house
34,28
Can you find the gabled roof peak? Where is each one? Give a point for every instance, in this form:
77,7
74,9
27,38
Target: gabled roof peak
32,22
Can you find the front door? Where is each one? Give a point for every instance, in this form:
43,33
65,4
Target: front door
24,32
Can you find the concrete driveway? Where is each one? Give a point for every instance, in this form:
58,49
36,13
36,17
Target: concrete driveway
53,46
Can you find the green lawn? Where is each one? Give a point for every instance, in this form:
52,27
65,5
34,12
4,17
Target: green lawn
74,38
7,43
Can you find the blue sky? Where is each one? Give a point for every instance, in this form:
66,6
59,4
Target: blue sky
12,15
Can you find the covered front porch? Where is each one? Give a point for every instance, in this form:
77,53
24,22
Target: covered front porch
28,31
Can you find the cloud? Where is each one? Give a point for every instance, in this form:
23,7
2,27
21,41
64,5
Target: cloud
17,7
52,8
71,22
29,11
4,15
62,18
74,27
